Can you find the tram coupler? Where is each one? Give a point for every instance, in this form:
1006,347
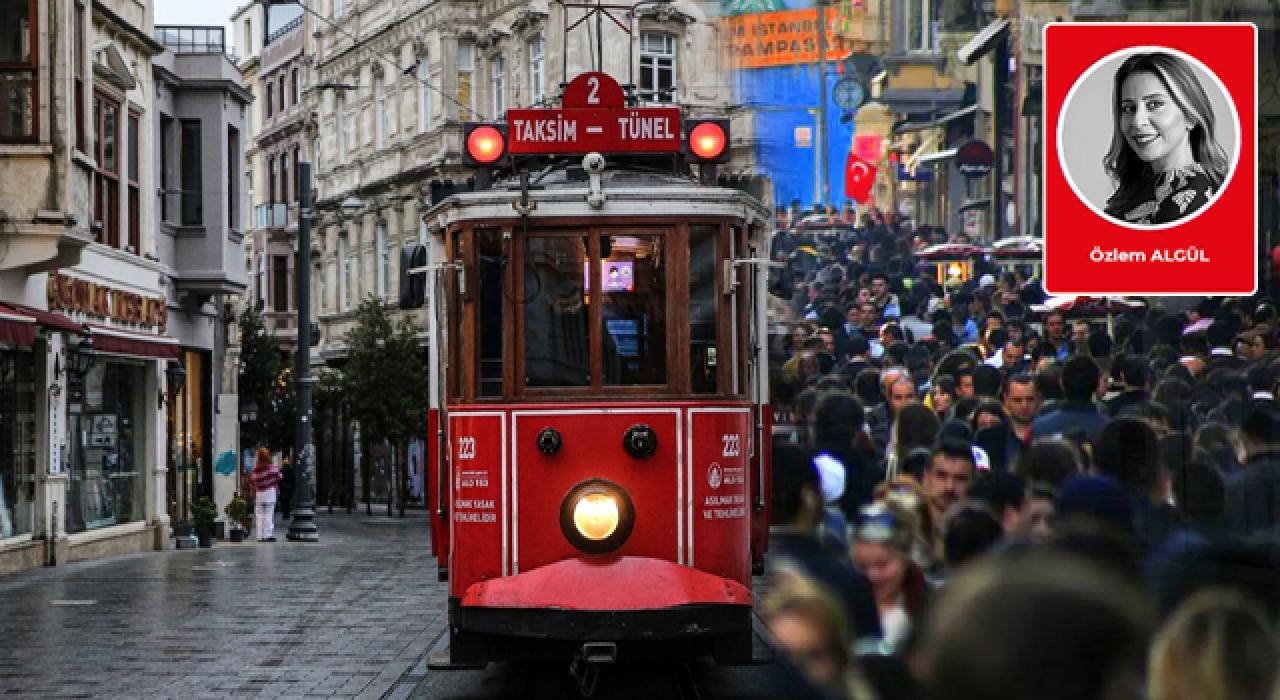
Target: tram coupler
585,665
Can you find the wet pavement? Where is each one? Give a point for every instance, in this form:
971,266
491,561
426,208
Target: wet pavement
353,616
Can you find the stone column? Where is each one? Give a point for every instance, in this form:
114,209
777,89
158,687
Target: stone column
157,464
52,461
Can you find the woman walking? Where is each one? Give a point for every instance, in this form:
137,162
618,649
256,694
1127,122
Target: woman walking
264,480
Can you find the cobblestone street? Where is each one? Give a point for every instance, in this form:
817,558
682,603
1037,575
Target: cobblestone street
347,617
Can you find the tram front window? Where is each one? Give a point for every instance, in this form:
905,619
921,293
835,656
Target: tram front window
633,312
557,340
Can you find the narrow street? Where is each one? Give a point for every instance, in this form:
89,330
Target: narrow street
353,616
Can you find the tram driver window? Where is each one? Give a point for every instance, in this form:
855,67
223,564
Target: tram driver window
633,310
557,347
704,249
492,266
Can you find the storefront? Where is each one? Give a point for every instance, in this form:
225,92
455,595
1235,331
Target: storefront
107,432
189,451
18,441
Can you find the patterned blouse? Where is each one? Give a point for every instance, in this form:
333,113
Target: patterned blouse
1170,196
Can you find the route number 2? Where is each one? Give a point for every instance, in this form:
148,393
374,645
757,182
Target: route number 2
732,445
593,98
466,447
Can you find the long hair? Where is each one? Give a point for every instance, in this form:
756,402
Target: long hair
1126,169
263,459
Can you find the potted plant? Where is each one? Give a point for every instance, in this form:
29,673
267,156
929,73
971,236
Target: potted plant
204,512
238,511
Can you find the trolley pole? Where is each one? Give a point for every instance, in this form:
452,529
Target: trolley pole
825,193
303,527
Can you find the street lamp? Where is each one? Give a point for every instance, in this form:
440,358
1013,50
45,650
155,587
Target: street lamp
81,359
176,378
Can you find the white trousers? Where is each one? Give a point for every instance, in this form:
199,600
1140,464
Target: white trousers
264,515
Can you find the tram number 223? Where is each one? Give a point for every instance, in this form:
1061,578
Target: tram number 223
466,447
732,445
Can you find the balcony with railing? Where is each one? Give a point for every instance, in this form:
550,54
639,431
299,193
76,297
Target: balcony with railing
269,215
183,40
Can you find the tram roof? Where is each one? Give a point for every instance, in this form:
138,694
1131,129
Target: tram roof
628,192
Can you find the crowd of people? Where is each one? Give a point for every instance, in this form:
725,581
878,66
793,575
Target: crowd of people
976,500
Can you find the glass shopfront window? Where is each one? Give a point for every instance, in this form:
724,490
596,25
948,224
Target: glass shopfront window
17,443
187,456
107,434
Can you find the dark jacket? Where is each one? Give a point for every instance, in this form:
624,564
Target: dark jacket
1001,445
1121,401
1253,495
1070,416
852,588
1154,523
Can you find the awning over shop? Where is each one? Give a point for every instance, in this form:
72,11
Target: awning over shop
938,156
47,319
983,41
17,329
112,341
922,104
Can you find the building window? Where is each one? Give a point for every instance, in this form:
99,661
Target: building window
920,29
282,94
344,284
261,279
657,67
134,244
192,186
106,188
270,98
384,260
466,67
424,97
233,168
337,9
279,283
17,70
297,88
297,179
271,180
380,119
315,152
284,178
537,70
166,167
78,71
344,121
498,74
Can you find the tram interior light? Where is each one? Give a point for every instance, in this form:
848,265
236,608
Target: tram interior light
485,144
708,140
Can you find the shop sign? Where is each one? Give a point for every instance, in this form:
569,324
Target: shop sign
975,159
72,294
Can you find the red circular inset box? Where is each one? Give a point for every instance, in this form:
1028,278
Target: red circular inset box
1198,237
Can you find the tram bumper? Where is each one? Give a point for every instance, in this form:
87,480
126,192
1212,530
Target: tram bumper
606,599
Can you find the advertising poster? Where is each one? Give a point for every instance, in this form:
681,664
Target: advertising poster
1152,171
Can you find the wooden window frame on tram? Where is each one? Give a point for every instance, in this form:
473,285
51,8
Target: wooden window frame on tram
461,292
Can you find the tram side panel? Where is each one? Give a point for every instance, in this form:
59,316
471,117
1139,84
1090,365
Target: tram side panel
719,529
477,498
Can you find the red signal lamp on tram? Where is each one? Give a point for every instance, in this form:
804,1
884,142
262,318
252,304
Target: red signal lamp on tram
707,140
484,145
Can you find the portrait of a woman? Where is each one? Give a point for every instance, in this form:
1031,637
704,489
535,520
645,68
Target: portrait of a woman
1164,160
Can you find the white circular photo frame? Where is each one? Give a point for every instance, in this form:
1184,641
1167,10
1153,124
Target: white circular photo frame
1084,154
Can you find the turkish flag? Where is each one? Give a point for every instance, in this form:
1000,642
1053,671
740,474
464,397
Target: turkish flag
859,176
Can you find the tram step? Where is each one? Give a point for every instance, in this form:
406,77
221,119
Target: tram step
438,659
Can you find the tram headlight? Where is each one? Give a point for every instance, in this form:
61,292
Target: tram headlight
597,516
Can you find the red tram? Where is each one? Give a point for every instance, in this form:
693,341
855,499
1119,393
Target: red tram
600,428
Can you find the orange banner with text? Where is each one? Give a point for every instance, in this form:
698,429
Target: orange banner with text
779,38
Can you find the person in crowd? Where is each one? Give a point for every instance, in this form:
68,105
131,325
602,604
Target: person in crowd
264,480
1078,414
900,391
1004,495
1050,461
1128,450
1219,645
1130,372
915,427
798,507
970,531
882,550
836,430
942,396
1041,510
1005,440
807,623
947,480
1043,625
986,414
1253,493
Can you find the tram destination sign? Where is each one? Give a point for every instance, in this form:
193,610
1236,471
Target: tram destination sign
594,118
